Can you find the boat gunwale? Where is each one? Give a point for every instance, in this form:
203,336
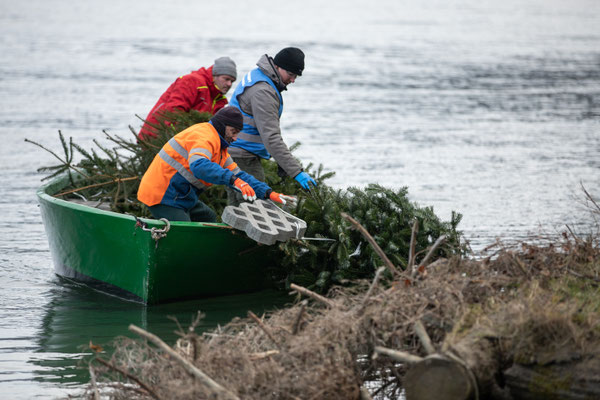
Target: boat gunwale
43,193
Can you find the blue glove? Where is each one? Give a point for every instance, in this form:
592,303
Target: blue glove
304,180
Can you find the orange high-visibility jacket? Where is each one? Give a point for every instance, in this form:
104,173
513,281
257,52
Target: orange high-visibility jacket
190,162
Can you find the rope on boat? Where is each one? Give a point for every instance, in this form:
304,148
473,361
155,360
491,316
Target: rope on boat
156,233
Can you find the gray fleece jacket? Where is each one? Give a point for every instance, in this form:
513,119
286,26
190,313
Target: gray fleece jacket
261,101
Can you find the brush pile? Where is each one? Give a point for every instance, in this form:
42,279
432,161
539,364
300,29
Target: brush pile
523,323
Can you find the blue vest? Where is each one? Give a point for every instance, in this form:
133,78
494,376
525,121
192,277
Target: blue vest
249,138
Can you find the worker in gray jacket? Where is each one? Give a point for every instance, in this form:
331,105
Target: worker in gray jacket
258,97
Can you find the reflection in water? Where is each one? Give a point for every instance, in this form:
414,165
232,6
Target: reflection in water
77,314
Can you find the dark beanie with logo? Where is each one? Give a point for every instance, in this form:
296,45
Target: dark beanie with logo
291,59
228,116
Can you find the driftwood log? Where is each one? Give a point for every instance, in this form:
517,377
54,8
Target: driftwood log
474,368
466,370
574,380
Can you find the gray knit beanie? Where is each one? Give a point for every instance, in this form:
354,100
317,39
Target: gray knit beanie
224,66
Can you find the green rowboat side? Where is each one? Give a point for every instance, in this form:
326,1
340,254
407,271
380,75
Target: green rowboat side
108,250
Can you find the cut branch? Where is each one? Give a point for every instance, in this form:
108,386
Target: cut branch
96,395
413,244
264,354
433,248
424,337
263,327
396,355
371,288
189,367
126,374
296,327
312,295
372,242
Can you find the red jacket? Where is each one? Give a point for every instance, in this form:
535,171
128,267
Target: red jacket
194,91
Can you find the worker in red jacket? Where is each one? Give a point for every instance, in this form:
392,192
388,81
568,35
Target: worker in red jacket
202,90
191,162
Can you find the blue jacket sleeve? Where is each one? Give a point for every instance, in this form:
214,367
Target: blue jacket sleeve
259,187
211,172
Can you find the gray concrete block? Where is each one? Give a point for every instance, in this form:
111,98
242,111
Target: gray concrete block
264,222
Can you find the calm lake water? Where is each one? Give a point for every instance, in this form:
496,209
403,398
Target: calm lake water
489,108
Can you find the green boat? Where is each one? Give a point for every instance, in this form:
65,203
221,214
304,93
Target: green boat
117,253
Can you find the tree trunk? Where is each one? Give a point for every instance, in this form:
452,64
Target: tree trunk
575,380
473,369
464,371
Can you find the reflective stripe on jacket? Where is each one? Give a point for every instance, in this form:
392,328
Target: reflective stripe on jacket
190,162
194,91
249,138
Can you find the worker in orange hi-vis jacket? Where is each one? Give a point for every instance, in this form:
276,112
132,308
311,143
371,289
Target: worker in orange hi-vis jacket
192,161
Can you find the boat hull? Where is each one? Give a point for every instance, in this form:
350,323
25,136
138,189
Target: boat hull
111,252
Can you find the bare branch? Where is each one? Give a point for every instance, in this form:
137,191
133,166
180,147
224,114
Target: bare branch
129,376
189,367
413,243
296,327
424,337
312,295
372,242
371,288
263,327
400,356
93,380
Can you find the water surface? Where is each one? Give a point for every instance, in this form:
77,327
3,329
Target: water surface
489,108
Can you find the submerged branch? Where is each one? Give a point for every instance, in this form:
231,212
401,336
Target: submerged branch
132,377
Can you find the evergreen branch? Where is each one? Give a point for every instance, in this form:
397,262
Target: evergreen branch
60,167
108,152
83,152
64,145
48,150
60,171
66,163
122,143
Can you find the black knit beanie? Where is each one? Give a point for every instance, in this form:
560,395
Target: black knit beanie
228,116
291,59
